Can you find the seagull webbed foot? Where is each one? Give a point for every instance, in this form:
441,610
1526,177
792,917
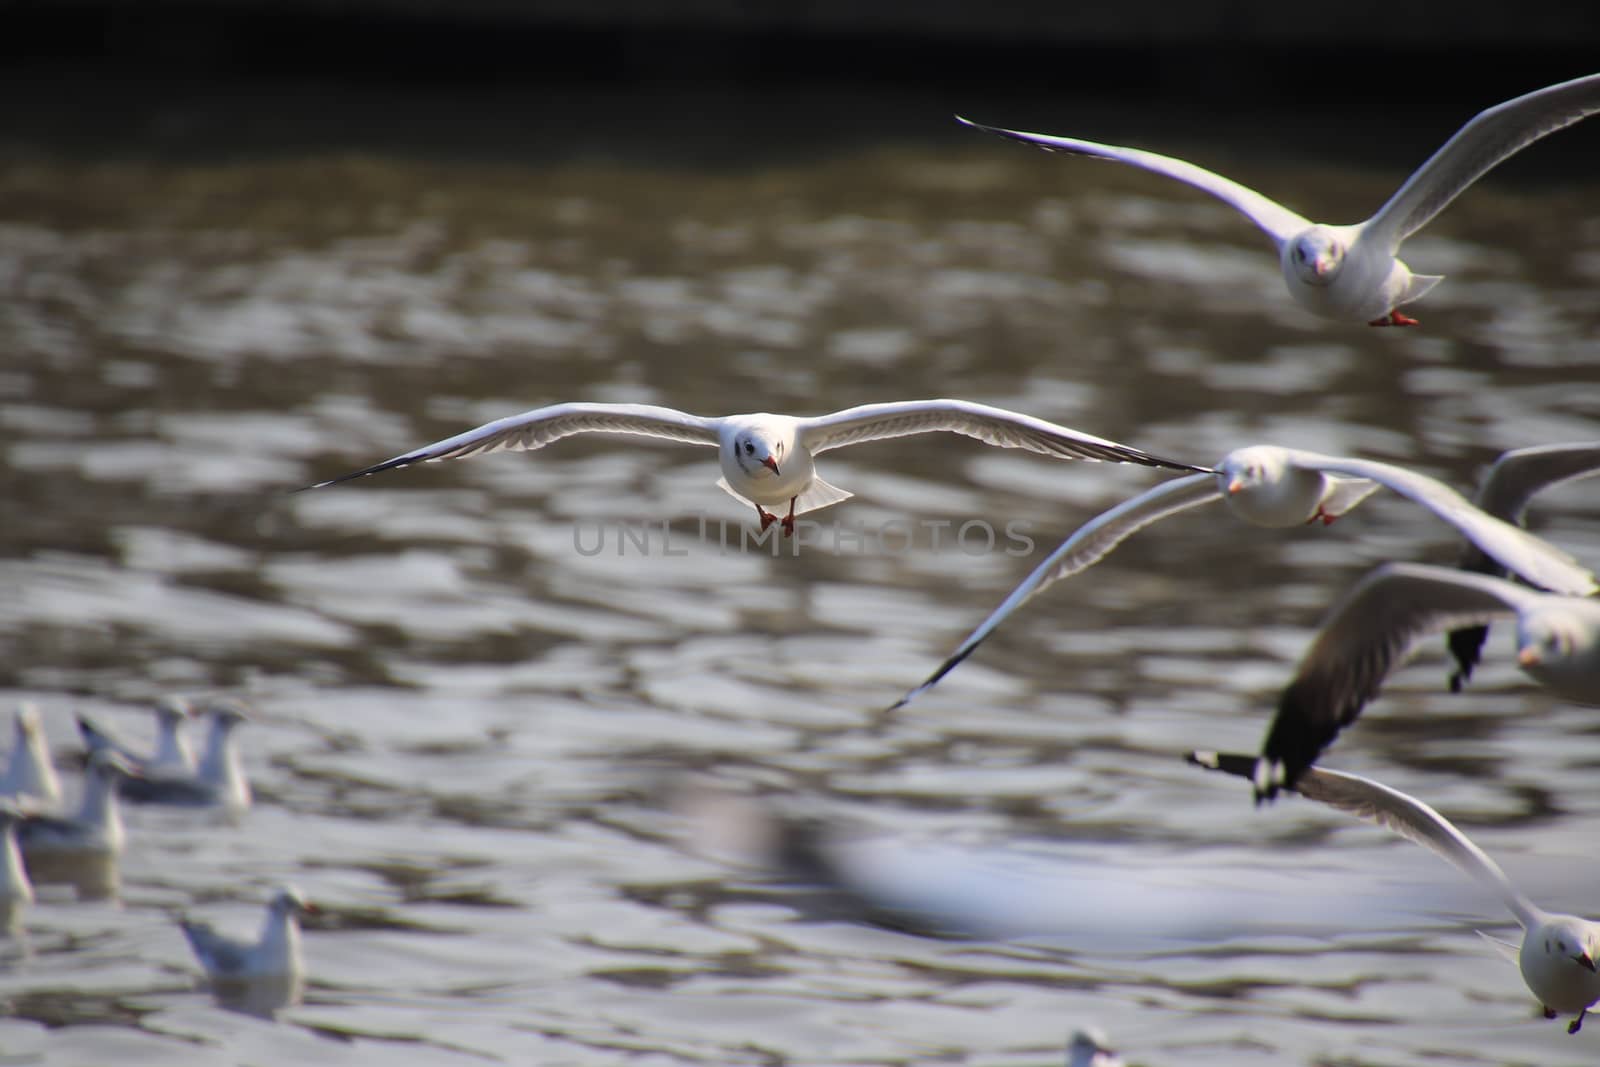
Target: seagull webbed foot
788,520
1394,318
767,517
1577,1024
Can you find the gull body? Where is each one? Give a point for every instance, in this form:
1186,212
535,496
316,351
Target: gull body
218,781
96,829
1274,487
1558,952
275,953
172,755
1352,273
30,775
767,460
1511,483
1376,626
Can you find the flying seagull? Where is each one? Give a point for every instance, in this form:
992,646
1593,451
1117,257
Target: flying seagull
1351,273
767,459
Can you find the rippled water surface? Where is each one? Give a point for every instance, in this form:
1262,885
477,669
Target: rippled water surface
469,724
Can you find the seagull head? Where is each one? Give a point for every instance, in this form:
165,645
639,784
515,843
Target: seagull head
753,451
1571,938
288,900
1088,1048
227,713
172,709
1546,638
1315,256
1245,469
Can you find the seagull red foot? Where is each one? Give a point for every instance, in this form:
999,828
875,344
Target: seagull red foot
767,517
788,520
1394,318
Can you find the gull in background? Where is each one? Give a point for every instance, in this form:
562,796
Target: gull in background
275,953
172,755
1514,480
1351,273
1088,1048
767,459
1280,487
218,781
1378,623
30,776
1558,952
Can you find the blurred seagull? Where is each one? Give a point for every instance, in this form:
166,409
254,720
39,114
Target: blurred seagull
1558,953
767,459
1378,623
1088,1048
218,781
172,755
96,830
1514,479
274,954
30,776
1350,273
1280,487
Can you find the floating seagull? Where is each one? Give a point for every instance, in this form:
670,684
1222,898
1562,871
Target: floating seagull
767,459
1558,952
1514,479
96,830
218,781
1350,273
1280,487
1377,624
30,776
1088,1048
275,954
16,890
172,755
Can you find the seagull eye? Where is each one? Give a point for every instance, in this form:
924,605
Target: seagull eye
749,449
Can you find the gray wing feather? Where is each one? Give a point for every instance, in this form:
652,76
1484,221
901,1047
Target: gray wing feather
217,954
991,425
1368,633
1478,147
1529,557
1090,543
543,426
1394,811
1277,221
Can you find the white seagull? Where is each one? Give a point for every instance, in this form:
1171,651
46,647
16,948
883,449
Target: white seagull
1379,622
274,954
1558,953
1351,273
1514,480
767,459
30,775
218,781
172,755
1281,487
95,831
1088,1048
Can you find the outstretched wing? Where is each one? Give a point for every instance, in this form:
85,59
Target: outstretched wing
1093,540
1395,811
542,426
1516,549
991,425
1277,221
1366,635
1478,147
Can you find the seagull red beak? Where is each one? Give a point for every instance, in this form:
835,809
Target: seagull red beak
1585,960
1235,486
772,463
1528,657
